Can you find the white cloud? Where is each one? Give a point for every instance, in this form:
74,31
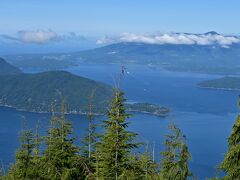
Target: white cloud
173,38
37,36
42,36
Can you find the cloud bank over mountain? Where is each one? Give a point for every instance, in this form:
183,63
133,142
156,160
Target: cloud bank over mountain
41,36
173,38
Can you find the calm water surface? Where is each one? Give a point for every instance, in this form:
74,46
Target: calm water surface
205,116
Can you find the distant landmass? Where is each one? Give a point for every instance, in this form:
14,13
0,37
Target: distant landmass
148,108
43,92
7,69
38,92
227,83
208,58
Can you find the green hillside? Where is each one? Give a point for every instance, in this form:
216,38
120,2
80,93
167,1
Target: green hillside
37,92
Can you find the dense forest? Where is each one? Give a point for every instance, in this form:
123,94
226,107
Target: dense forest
113,154
228,83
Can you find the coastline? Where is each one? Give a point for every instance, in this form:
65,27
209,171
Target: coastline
162,115
215,88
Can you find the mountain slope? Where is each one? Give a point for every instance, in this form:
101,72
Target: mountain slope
228,83
37,92
7,69
206,53
197,58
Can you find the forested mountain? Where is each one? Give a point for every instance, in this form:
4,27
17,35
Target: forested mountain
38,92
230,83
42,91
203,58
6,68
195,58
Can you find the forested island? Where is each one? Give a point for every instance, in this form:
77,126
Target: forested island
225,83
148,108
41,92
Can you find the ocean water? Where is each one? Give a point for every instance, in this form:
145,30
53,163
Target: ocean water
205,116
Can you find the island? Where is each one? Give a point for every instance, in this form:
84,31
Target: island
43,93
225,83
148,108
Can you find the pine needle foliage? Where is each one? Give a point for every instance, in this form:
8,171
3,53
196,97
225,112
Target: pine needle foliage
116,142
231,162
175,157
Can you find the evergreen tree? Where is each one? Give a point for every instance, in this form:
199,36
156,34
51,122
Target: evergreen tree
61,155
90,139
23,168
142,166
148,166
231,163
174,164
116,142
37,158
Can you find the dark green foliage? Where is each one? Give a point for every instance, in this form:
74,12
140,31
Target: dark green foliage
223,83
116,142
148,108
90,140
56,156
231,163
174,164
24,166
35,92
142,166
60,157
8,69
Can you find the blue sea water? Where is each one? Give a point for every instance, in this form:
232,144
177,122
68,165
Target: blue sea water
205,116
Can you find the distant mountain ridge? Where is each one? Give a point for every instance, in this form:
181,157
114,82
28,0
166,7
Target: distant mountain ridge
201,53
8,69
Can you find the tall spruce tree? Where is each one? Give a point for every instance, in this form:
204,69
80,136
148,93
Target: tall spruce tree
90,140
142,166
37,156
174,164
23,168
61,155
116,142
231,163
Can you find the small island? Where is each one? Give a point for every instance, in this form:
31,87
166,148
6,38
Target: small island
148,108
225,83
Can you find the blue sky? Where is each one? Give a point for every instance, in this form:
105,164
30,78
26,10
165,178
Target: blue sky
97,18
103,17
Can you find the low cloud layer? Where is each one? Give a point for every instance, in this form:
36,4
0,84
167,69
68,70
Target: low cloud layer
174,38
41,36
37,36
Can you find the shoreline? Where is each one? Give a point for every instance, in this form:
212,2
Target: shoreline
163,115
215,88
